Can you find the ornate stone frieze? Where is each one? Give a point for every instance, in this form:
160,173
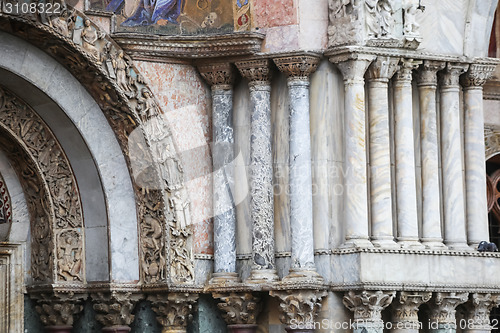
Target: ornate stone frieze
477,75
299,307
443,307
405,71
173,310
427,72
451,74
406,305
58,309
114,308
478,310
366,305
297,66
256,71
239,308
218,75
491,140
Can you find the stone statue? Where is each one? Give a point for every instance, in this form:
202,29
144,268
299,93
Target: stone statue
386,21
120,66
411,26
181,208
89,38
182,268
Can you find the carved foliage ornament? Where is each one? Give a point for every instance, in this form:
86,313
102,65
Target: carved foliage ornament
5,203
427,73
58,309
255,70
297,67
368,305
478,310
299,306
443,306
407,304
218,75
115,308
450,76
173,310
477,75
239,308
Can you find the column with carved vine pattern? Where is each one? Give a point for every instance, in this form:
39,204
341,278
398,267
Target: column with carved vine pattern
475,164
261,169
405,311
173,310
455,236
442,317
220,77
114,310
353,68
367,307
477,313
432,236
239,310
58,310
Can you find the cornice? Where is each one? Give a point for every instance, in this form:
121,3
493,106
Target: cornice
386,286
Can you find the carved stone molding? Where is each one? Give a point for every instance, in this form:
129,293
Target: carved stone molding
173,310
477,75
256,71
58,309
5,203
114,309
427,72
299,307
443,307
218,75
406,306
366,305
404,74
239,308
450,76
382,69
297,66
353,66
478,310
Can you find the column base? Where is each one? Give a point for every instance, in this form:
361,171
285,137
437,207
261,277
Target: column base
388,243
411,244
433,244
224,278
59,329
357,243
116,329
242,328
303,274
262,276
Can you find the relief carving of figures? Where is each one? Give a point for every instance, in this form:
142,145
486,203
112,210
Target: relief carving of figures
181,206
411,27
182,267
69,256
379,20
89,38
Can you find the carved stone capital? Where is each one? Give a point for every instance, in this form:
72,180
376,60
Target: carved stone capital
478,310
218,75
427,72
58,309
366,305
406,306
299,307
382,69
451,74
353,66
405,70
477,75
257,71
239,308
297,67
115,308
443,307
173,310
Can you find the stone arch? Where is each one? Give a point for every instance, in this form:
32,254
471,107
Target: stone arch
127,106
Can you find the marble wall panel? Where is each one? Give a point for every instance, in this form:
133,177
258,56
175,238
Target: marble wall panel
491,114
281,38
274,13
313,24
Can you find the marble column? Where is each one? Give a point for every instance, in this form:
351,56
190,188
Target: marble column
443,306
475,164
173,310
239,310
378,76
367,307
353,68
298,68
220,77
405,313
432,236
114,310
455,236
58,310
261,170
406,188
477,313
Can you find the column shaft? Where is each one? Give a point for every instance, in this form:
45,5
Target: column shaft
406,189
451,156
431,204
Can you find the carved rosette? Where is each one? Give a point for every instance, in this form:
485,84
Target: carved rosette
173,311
404,74
478,310
58,309
114,309
256,71
239,308
427,72
477,75
406,306
443,307
450,76
366,305
220,76
297,67
299,307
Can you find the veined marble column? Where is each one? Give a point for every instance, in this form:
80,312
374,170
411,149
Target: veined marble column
451,156
477,315
432,236
261,169
442,312
353,68
220,77
298,68
475,164
405,314
367,307
378,76
406,188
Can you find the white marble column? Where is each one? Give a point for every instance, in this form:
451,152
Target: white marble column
261,170
298,68
432,236
406,188
378,76
451,156
220,77
475,164
353,68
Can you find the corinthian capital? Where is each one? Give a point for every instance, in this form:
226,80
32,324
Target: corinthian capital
173,310
353,66
299,307
239,308
427,73
451,74
405,71
297,67
366,305
58,309
477,75
382,69
114,308
443,307
218,75
256,71
406,306
478,310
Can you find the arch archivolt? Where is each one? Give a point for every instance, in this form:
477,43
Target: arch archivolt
127,102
